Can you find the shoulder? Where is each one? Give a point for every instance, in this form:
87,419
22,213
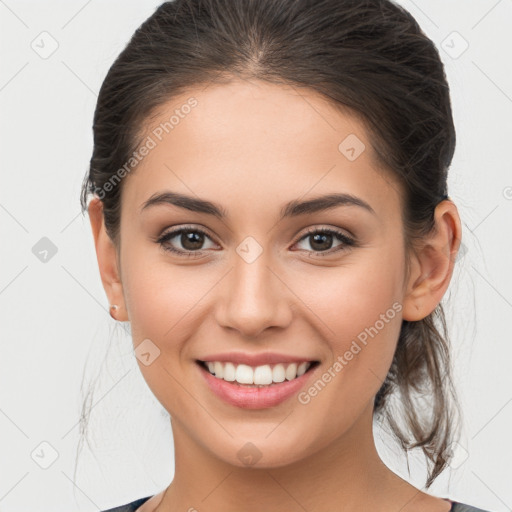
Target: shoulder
129,507
134,505
463,507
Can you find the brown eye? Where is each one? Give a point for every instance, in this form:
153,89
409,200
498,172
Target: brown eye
191,240
321,241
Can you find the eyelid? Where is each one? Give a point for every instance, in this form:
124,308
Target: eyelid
326,228
186,227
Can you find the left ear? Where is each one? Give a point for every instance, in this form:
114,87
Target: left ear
432,263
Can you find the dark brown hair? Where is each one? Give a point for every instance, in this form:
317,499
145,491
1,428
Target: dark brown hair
367,56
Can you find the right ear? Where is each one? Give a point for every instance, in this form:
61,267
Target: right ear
106,254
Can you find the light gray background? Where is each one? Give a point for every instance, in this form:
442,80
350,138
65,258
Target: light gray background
55,321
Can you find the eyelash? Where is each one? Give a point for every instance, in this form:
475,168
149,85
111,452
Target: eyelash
346,240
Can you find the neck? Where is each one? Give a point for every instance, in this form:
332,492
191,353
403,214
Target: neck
348,471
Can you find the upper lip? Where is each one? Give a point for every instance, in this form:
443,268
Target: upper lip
255,359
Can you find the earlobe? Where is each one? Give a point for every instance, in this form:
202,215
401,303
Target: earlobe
106,254
432,264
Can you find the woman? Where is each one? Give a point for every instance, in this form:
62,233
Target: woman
270,214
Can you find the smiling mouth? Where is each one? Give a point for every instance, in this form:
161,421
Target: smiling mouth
266,375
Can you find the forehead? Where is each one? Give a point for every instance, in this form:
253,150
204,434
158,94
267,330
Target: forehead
250,143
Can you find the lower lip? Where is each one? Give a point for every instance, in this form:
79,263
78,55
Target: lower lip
255,398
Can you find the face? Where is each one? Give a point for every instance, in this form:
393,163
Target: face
317,284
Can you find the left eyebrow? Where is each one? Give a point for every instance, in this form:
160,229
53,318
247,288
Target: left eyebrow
292,209
321,203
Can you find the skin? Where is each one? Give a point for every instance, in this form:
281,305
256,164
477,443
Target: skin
252,146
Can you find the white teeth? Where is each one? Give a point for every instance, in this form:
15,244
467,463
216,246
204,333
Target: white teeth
263,375
257,376
243,375
291,371
301,370
278,373
218,369
229,372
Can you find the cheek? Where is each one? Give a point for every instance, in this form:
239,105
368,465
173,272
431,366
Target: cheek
163,302
361,306
159,295
166,303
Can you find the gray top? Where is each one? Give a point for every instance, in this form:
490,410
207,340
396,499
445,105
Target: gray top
134,505
462,507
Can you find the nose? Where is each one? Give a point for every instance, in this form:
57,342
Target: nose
254,297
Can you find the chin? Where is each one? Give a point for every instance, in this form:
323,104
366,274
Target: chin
262,453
